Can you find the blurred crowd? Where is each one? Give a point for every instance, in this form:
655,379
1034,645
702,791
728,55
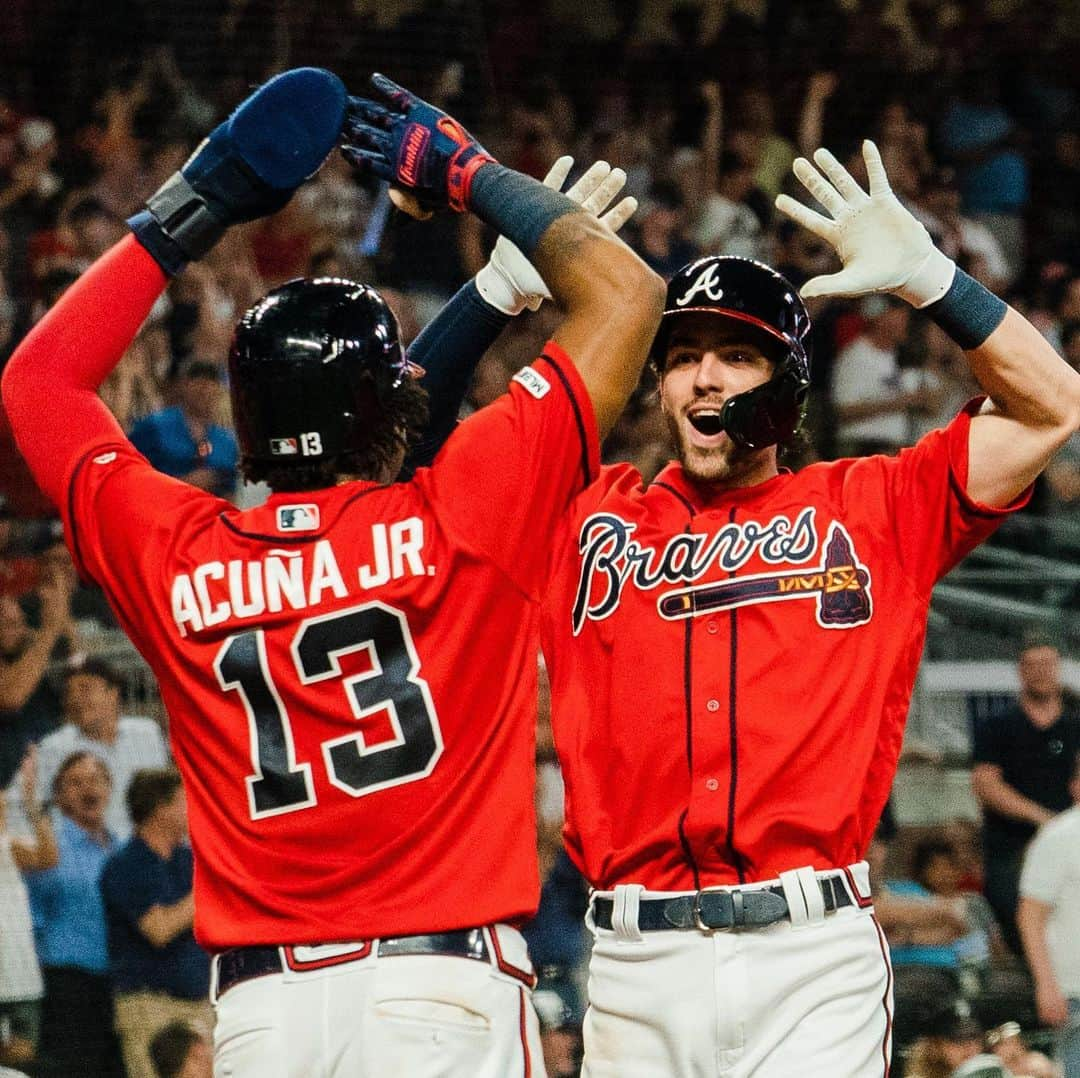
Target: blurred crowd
976,109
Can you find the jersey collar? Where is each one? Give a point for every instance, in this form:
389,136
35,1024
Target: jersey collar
707,497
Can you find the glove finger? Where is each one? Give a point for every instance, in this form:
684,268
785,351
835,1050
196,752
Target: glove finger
819,187
364,110
810,219
371,137
396,95
367,162
592,178
616,217
844,283
840,178
609,187
879,181
558,172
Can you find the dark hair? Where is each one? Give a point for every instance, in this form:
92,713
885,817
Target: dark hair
149,789
926,851
71,760
95,666
403,421
171,1046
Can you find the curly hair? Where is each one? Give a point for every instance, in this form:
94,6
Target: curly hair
402,424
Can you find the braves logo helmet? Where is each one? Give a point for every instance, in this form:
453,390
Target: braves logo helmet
312,368
770,307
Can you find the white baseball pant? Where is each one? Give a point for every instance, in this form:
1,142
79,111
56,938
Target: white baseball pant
424,1016
810,996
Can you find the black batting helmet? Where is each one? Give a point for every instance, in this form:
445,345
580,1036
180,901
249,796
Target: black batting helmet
312,368
768,304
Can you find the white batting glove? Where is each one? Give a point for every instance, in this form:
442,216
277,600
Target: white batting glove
883,247
509,281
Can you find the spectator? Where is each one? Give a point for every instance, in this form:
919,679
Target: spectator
29,706
660,241
160,974
951,1045
181,1051
186,441
1008,1045
77,1036
20,977
869,397
125,743
1049,921
969,243
980,138
1022,767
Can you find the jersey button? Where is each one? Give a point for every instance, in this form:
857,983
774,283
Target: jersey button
712,626
712,784
712,705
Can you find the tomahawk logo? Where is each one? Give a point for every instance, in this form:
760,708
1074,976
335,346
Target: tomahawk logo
840,587
706,283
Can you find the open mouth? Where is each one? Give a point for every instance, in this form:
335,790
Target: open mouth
706,422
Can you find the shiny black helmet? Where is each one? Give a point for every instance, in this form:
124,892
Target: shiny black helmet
768,304
314,370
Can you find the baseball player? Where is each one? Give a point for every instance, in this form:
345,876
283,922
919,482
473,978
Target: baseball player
348,669
732,650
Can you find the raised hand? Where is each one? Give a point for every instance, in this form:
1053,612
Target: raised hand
882,246
509,281
412,145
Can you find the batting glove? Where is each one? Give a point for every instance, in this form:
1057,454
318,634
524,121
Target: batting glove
509,282
248,167
413,145
882,246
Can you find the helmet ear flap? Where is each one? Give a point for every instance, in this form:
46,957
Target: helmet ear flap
769,414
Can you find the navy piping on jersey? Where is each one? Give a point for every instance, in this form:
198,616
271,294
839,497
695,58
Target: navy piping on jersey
733,733
586,471
290,539
688,708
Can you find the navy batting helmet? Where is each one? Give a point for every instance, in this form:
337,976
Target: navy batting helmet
768,304
312,368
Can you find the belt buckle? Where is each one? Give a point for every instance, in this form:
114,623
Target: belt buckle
699,920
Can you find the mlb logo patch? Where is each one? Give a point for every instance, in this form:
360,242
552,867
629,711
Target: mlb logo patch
284,447
535,383
298,518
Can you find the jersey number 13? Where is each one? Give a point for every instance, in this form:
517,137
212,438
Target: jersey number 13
281,784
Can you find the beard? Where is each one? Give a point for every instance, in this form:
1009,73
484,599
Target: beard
724,464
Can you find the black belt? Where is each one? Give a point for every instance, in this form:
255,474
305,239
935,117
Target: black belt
711,910
244,963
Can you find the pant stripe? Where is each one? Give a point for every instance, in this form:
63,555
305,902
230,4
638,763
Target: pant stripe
524,1034
885,997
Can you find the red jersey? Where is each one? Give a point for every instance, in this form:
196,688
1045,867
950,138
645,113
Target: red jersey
350,673
731,670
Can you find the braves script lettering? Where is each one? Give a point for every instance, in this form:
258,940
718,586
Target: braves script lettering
610,556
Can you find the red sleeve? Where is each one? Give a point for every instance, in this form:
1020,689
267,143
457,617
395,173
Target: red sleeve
934,521
122,521
507,476
49,385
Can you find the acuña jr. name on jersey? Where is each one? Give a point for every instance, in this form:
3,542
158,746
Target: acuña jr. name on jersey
215,591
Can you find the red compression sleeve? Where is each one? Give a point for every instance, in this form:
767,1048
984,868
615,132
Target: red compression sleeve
50,383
